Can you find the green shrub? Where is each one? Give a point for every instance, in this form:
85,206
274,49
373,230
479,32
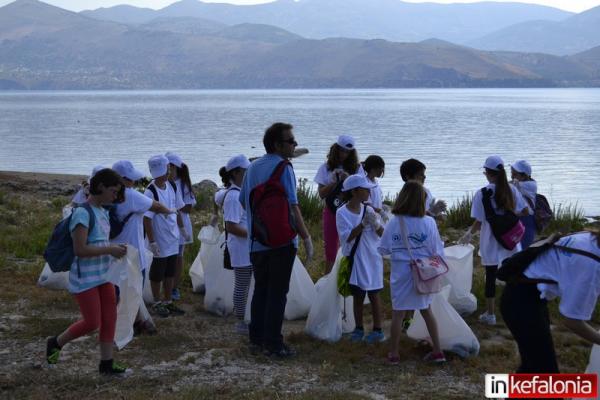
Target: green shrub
567,218
459,214
310,203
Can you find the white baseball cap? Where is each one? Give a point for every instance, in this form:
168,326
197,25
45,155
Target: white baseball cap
347,142
97,169
494,163
357,181
239,161
126,169
174,159
158,165
522,166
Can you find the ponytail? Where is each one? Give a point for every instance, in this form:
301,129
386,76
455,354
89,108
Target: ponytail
183,173
225,177
503,193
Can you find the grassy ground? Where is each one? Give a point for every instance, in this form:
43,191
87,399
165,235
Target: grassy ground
198,356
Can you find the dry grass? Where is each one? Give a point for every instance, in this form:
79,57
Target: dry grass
198,356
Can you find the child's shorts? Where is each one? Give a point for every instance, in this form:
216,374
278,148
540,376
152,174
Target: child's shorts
357,291
163,267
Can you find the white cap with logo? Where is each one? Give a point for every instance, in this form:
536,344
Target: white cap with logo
158,165
523,167
239,161
495,163
357,181
346,142
174,159
126,169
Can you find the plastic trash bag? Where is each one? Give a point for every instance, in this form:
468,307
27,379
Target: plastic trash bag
330,315
460,277
218,281
130,296
53,280
299,298
455,334
208,236
593,366
147,291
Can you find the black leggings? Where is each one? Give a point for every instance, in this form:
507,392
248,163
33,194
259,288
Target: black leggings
490,280
526,316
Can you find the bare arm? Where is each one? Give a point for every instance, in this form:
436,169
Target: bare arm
302,231
324,190
159,208
236,229
476,226
180,221
355,232
186,209
148,229
583,330
83,249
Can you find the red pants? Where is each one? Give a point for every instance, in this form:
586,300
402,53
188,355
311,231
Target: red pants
330,235
99,310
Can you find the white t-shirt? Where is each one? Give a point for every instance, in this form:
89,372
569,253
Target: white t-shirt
367,270
220,196
133,231
528,190
425,241
376,195
429,199
492,252
235,213
164,226
325,176
578,276
188,199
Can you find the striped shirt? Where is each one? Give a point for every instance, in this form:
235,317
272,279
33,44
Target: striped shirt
89,272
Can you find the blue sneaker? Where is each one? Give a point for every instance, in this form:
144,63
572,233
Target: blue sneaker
175,295
375,337
357,335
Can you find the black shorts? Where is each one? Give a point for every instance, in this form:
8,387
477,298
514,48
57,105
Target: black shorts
357,291
163,267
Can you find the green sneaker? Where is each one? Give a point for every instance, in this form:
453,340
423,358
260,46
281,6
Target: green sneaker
406,324
173,309
52,350
111,367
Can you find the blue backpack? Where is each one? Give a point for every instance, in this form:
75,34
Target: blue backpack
116,224
59,253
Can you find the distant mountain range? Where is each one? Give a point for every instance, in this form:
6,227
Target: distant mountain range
45,47
392,20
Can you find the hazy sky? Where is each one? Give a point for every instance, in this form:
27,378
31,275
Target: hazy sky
78,5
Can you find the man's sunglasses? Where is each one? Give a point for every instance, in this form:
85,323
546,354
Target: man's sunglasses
290,141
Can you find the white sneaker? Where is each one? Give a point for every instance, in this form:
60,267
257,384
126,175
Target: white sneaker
489,319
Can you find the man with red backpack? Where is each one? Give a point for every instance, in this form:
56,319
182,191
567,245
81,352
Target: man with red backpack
274,220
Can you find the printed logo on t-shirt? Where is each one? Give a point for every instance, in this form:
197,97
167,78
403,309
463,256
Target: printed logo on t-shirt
417,238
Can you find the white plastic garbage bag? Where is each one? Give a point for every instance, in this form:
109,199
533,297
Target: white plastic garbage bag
130,296
330,315
53,280
219,282
300,296
460,278
208,236
455,334
594,363
147,292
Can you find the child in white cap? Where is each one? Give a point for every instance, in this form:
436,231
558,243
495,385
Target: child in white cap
163,232
411,227
504,197
521,177
359,225
342,161
235,219
84,189
131,213
180,174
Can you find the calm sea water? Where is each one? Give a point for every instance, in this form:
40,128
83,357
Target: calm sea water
451,131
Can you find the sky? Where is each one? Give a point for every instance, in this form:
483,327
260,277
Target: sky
78,5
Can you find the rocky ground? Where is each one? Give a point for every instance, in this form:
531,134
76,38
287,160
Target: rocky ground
198,355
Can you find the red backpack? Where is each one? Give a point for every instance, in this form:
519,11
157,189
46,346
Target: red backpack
273,223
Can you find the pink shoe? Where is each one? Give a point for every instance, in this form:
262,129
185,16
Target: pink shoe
435,357
393,360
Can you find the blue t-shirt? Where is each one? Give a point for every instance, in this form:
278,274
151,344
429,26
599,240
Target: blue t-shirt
259,172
